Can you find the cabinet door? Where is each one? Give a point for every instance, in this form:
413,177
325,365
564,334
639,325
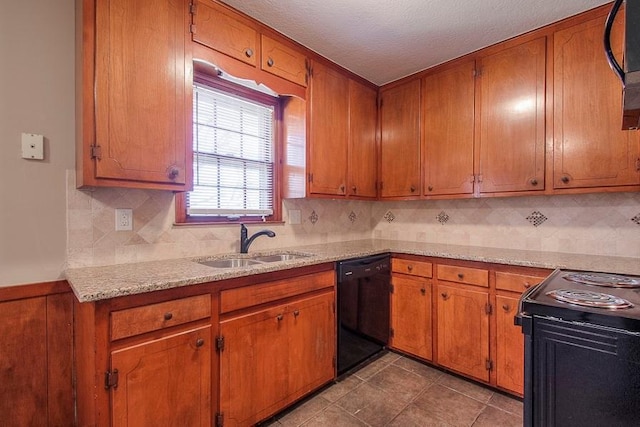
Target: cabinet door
590,150
329,131
312,343
140,92
509,347
463,330
411,316
400,141
220,29
164,382
448,118
511,104
283,61
363,158
254,366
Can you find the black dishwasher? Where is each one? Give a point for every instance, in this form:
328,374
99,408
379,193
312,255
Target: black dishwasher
363,309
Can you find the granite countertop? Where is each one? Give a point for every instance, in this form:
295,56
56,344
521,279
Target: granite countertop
98,283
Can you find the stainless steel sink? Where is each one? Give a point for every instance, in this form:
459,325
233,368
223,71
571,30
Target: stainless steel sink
230,262
279,257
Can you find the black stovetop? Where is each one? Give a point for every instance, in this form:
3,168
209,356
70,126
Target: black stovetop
536,302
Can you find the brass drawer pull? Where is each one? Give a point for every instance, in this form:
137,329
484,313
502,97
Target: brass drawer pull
199,342
410,267
506,307
460,276
168,316
445,296
279,317
423,291
296,313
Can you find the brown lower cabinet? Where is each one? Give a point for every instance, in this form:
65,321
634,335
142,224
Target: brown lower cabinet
231,352
274,356
460,315
411,308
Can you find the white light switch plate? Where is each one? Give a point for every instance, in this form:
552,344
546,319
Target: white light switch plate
32,146
124,219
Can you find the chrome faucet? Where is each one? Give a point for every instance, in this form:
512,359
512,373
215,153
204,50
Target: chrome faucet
245,241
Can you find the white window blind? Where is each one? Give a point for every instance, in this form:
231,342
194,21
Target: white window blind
233,155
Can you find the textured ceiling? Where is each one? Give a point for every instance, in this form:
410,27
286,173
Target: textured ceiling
384,40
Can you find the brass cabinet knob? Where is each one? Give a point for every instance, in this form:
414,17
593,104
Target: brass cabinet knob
249,52
445,296
279,317
199,342
410,267
565,179
168,316
423,291
354,189
534,182
296,313
430,188
342,189
506,307
527,285
270,62
413,188
460,276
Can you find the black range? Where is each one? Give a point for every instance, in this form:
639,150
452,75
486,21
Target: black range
582,350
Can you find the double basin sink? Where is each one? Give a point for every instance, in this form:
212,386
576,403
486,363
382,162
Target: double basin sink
248,260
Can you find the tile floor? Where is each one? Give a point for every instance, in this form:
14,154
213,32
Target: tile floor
397,391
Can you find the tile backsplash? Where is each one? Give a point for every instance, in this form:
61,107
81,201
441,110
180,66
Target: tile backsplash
601,224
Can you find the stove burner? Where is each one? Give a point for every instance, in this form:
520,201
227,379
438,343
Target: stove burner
603,279
589,299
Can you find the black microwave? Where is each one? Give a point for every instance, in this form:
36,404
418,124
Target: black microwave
630,74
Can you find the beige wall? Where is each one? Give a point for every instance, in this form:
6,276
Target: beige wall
36,96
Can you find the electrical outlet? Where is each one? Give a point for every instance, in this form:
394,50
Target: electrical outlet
124,219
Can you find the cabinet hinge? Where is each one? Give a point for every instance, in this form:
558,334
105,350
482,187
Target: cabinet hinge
391,288
488,308
192,8
111,379
479,178
472,179
220,343
391,332
192,28
310,178
489,365
96,152
220,419
638,164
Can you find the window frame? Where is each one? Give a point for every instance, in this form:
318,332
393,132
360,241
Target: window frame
218,83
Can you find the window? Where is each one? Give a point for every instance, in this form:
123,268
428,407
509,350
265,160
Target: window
234,150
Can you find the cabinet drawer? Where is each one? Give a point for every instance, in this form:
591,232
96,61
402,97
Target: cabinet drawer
471,276
414,268
515,282
134,321
283,61
248,296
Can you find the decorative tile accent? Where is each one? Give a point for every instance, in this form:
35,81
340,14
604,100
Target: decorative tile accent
353,216
314,217
536,218
442,217
636,219
389,216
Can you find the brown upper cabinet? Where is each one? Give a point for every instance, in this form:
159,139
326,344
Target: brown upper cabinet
510,120
590,150
134,109
484,123
400,140
363,158
220,28
447,117
342,153
328,131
